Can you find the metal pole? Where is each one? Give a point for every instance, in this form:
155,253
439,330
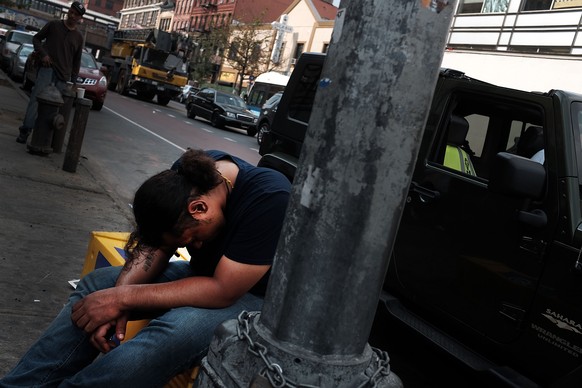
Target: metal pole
348,195
65,110
73,152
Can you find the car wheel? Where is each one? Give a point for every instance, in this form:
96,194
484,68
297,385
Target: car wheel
251,131
190,112
263,129
146,96
121,87
215,120
163,100
97,105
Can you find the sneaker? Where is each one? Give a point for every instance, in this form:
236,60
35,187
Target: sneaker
23,136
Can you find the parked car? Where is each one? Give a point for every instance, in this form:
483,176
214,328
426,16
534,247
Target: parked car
91,78
10,42
18,61
186,91
221,109
268,111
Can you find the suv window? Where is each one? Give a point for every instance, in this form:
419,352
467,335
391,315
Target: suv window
301,104
492,125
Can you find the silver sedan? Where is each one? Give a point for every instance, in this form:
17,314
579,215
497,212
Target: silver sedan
16,66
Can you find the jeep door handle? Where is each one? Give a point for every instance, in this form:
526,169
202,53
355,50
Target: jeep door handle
424,193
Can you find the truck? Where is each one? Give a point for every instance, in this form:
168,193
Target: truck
146,63
486,266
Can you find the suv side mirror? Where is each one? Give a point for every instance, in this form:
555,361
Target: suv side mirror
517,177
520,177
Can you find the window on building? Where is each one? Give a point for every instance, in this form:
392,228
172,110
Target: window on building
470,6
495,6
109,4
298,50
537,5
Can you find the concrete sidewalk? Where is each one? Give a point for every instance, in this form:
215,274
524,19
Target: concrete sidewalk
46,217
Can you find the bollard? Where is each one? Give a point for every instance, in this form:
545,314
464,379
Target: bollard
65,110
73,151
48,120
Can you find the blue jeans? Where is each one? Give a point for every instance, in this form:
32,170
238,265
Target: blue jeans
172,342
44,78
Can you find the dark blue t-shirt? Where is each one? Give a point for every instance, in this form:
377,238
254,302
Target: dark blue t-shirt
254,213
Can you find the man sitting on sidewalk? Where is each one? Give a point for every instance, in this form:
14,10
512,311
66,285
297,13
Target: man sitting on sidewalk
229,215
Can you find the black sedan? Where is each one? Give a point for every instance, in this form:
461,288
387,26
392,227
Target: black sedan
221,109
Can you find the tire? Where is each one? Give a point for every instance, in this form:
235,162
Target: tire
215,121
97,106
251,131
146,96
263,128
190,112
121,86
163,100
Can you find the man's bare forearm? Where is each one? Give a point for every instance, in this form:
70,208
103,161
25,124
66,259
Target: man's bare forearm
144,267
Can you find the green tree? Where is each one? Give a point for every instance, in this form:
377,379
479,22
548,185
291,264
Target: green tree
206,54
248,53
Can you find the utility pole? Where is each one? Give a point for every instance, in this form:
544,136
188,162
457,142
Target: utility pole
346,203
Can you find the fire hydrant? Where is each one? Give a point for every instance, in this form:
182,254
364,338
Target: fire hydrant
48,120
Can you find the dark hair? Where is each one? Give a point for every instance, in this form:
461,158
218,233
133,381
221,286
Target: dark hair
160,204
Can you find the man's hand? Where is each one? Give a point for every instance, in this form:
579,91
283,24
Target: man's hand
108,336
47,61
97,309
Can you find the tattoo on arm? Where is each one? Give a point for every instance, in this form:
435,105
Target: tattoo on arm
147,264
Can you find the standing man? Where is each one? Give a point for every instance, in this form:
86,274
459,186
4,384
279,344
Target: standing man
58,45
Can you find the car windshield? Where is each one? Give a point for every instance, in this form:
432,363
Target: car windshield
88,61
21,38
25,50
226,99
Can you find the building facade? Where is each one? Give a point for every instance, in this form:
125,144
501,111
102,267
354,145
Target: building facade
304,25
34,14
523,44
141,14
311,24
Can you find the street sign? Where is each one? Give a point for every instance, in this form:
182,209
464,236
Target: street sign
281,27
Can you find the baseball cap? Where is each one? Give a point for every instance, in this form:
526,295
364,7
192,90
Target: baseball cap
79,7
